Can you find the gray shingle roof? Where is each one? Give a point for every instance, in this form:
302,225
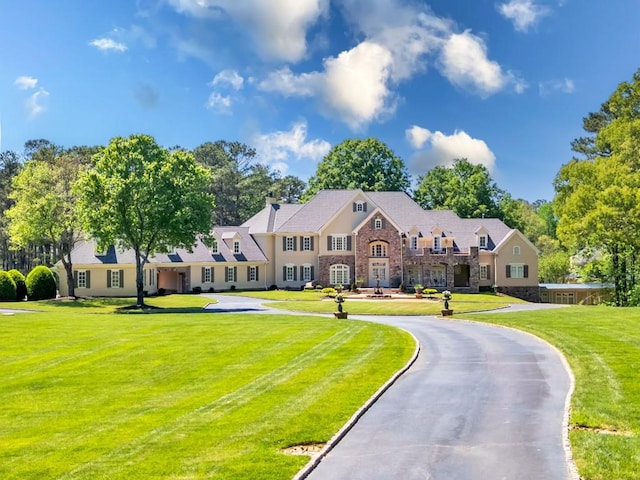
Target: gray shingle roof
272,217
318,211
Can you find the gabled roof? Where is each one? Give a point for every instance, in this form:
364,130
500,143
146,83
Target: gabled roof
271,218
513,233
376,212
316,213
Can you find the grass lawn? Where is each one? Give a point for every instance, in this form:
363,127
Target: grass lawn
88,394
602,345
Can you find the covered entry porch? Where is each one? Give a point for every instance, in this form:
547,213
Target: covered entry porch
174,279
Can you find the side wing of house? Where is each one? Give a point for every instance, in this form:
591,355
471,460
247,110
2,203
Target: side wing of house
516,267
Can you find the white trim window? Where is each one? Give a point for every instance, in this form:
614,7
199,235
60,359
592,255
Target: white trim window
236,247
214,247
306,244
339,274
206,275
437,245
359,207
253,274
377,224
484,271
339,242
231,274
517,270
307,274
482,241
379,249
82,279
115,278
289,273
516,250
289,244
413,242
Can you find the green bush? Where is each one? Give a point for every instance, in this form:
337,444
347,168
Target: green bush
41,284
21,286
329,292
7,288
429,291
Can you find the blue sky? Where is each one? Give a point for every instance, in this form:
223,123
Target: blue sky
504,83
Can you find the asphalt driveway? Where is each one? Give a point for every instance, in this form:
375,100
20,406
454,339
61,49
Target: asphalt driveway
480,402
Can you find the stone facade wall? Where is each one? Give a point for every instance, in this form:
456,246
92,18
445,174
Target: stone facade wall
325,261
530,294
368,234
449,260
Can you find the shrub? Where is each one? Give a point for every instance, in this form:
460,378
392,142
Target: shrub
429,291
41,285
7,288
329,292
197,289
21,286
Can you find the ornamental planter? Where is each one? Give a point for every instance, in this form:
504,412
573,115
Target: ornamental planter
447,312
340,315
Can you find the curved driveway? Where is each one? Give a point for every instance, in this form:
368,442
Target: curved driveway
480,402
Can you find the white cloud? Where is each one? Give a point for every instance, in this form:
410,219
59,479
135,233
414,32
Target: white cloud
285,82
279,148
464,62
25,82
523,13
219,103
444,149
228,77
278,27
108,44
36,103
565,85
417,136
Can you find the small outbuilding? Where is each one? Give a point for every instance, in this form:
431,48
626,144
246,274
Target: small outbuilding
574,293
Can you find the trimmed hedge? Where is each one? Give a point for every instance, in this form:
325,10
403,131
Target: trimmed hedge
7,288
21,286
41,284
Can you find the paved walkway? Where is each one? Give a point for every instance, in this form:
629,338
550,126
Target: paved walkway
480,402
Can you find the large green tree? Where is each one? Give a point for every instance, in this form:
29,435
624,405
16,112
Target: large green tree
598,197
469,191
366,164
10,166
140,196
45,207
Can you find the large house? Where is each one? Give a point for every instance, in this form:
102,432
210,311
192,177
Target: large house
338,237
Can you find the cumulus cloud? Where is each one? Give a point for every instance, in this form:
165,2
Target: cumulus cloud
444,149
108,44
36,103
228,77
26,82
464,62
523,13
565,85
279,149
278,27
219,103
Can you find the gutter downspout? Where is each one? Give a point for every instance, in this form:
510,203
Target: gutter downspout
401,260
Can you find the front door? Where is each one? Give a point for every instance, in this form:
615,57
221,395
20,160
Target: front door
378,273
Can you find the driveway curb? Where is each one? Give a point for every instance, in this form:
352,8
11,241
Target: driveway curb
314,462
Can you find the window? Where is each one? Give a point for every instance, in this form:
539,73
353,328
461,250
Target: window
339,242
252,274
379,250
484,272
81,281
231,274
115,278
517,270
289,273
289,244
307,273
516,250
214,247
359,207
436,243
207,277
339,274
413,242
307,244
482,241
236,247
377,224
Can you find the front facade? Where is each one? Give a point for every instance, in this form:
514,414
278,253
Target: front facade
342,237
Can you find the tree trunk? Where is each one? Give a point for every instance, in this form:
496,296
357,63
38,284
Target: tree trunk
139,280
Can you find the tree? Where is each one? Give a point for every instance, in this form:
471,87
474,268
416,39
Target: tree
469,191
553,267
45,207
142,197
289,189
598,198
366,164
10,166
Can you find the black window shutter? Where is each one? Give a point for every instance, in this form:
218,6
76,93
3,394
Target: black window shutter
284,274
284,244
75,279
301,272
226,274
311,243
212,271
88,276
349,242
121,278
235,274
203,268
329,238
108,278
295,276
354,206
488,272
257,270
295,243
312,275
364,206
248,273
508,271
526,271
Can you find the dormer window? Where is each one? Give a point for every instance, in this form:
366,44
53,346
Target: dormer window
482,241
437,246
214,247
359,206
377,224
413,242
236,247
